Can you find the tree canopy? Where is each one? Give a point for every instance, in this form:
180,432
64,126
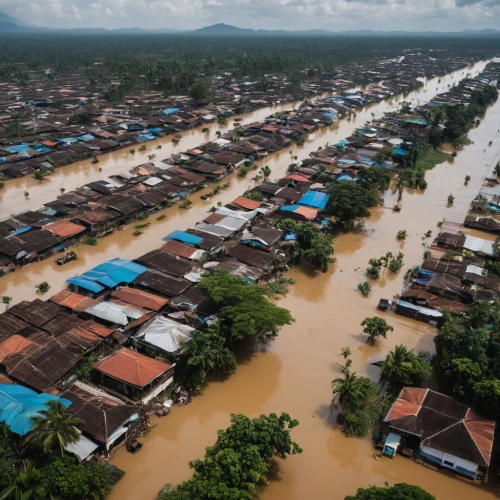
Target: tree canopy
244,310
400,491
235,468
350,201
376,327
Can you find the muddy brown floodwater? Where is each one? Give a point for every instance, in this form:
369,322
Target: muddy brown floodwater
295,372
20,285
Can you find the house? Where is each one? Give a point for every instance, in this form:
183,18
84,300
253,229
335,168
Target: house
106,420
441,431
133,375
19,405
164,335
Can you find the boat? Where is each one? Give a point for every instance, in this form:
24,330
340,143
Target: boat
67,257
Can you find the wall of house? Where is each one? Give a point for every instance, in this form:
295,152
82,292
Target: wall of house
459,464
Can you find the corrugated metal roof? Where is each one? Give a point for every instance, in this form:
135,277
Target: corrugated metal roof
183,237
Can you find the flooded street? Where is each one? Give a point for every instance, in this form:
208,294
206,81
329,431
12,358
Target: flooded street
21,284
294,374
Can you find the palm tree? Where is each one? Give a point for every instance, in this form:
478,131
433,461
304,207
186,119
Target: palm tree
55,428
396,368
375,327
348,393
265,171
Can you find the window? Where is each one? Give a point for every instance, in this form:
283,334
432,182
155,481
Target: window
449,464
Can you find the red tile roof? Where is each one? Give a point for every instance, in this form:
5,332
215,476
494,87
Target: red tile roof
443,423
64,228
73,301
133,368
14,344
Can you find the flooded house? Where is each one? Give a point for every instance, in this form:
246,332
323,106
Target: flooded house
438,430
137,377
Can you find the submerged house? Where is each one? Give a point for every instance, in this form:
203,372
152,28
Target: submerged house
106,420
134,375
440,430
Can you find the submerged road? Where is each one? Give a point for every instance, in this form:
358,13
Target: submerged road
294,374
21,284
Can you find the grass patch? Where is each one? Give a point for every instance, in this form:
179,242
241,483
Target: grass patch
430,159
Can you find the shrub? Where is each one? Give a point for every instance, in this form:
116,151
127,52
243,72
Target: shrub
90,240
43,287
365,288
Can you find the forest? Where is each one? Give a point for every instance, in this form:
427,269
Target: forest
173,62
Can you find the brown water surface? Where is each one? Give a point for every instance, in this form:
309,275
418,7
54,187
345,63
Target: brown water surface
21,284
295,372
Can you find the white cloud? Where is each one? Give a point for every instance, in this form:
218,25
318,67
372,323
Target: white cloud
410,15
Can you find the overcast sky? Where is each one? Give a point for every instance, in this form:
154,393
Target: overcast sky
335,15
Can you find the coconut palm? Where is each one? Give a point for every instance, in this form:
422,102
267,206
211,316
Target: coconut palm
265,171
396,368
375,327
350,392
55,428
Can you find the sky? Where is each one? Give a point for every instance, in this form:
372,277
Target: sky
334,15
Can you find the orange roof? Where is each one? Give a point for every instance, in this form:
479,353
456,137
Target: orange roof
247,203
214,218
139,298
73,301
97,329
50,144
308,213
297,178
64,228
13,344
132,367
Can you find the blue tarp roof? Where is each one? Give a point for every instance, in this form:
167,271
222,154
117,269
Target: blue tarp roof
146,137
314,199
345,178
155,130
42,149
189,239
21,230
330,115
68,140
20,148
170,111
290,236
341,143
18,405
86,137
399,151
109,274
289,208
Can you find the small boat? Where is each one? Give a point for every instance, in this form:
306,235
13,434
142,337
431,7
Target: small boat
67,257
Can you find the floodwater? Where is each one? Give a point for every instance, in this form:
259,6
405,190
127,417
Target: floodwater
294,374
20,285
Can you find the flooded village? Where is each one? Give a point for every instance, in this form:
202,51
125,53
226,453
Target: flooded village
129,232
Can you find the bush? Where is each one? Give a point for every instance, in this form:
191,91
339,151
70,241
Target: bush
243,171
365,288
43,287
356,424
90,240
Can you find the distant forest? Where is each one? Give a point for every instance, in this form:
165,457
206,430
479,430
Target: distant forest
173,62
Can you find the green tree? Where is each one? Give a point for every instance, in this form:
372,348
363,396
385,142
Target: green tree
376,327
265,171
352,392
350,201
462,374
54,428
243,309
403,368
487,397
400,491
206,353
199,90
237,465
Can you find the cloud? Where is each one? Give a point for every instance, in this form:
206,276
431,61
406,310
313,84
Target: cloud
335,15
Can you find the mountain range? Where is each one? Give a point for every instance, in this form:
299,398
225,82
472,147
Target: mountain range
9,24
